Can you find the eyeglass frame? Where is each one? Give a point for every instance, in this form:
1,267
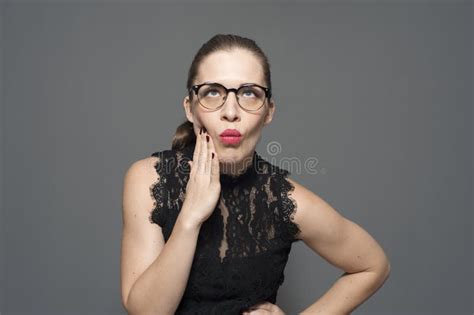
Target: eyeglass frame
196,87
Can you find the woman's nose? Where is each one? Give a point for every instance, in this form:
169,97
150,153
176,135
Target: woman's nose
231,108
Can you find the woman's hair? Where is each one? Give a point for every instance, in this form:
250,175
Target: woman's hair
184,134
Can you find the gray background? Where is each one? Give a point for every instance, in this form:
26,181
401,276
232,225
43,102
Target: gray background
379,92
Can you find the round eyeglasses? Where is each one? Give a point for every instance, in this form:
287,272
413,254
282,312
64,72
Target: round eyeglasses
250,97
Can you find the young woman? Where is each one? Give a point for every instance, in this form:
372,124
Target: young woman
209,224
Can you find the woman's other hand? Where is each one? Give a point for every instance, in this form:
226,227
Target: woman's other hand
264,308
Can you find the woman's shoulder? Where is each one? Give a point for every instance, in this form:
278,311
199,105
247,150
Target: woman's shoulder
146,168
141,168
311,212
139,180
301,206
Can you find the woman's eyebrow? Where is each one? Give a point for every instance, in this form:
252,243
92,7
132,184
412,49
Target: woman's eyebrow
211,82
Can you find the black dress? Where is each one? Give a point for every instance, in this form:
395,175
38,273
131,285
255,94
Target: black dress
254,222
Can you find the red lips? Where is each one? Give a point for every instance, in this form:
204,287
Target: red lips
230,133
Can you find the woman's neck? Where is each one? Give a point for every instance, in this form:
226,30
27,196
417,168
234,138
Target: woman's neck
236,168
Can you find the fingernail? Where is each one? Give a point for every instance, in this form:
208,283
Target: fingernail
207,138
200,131
212,154
204,129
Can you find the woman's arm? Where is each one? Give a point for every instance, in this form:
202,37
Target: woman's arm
154,274
345,245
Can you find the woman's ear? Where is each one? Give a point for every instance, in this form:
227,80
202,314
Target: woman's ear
187,109
271,111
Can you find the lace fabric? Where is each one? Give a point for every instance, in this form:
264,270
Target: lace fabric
243,247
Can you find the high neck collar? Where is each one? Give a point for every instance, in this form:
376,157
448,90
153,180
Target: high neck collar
247,174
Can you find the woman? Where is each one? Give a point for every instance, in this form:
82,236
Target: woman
224,219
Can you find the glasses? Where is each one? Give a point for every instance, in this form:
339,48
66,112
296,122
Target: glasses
250,96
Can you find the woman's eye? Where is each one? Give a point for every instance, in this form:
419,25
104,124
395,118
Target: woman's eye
210,92
249,92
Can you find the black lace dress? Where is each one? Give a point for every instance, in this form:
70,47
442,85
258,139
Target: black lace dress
243,247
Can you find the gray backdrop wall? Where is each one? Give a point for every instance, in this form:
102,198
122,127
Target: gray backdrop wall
383,91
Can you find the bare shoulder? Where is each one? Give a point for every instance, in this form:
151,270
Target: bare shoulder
313,215
142,167
137,199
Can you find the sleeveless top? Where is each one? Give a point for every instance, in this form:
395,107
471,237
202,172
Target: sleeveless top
243,247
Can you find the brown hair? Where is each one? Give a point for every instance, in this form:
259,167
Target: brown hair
184,134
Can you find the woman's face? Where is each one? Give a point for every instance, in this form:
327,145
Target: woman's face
231,69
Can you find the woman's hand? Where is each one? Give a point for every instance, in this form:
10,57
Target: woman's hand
203,187
264,308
